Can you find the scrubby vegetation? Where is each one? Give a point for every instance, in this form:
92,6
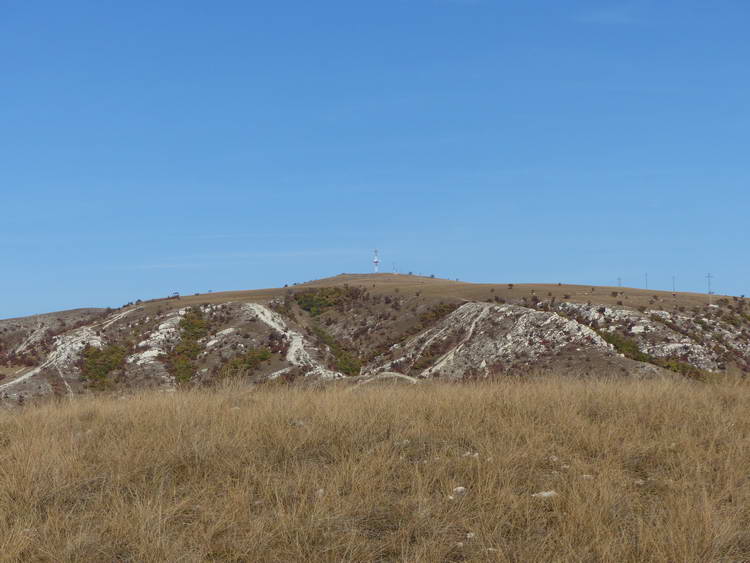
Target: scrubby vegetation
633,471
193,325
317,301
626,346
245,364
181,359
630,349
98,363
345,361
435,313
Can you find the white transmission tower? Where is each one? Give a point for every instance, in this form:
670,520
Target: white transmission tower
376,262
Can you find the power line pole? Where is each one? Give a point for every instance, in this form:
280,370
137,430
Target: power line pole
708,277
619,282
674,284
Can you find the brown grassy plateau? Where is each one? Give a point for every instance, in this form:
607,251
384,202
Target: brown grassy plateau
439,289
643,470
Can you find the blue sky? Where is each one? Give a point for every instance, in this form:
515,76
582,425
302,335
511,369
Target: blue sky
151,147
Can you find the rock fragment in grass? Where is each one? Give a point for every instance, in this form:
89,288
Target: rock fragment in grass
545,494
458,492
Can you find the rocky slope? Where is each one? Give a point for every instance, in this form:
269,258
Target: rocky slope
357,332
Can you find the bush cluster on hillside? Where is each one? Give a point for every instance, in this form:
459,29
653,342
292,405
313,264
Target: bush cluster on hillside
629,348
98,363
345,361
245,364
181,359
317,301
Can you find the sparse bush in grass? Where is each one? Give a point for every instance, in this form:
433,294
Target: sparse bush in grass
435,313
682,368
317,301
245,364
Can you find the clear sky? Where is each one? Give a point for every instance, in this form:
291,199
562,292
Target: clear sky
152,147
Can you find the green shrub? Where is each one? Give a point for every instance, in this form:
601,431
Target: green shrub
682,368
630,349
345,361
181,359
317,301
193,325
626,346
98,363
245,364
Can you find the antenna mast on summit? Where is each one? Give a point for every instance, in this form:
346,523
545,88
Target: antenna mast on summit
376,262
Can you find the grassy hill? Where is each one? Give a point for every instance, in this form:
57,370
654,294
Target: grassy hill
379,418
361,325
437,288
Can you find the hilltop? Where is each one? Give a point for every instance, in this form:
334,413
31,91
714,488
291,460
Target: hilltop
363,327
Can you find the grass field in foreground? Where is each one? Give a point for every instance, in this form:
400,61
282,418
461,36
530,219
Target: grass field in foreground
642,471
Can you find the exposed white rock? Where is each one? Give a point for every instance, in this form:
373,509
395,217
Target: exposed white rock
145,357
65,352
36,336
297,355
158,342
480,335
667,335
545,494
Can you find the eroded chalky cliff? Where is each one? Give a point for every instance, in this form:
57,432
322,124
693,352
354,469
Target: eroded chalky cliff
350,333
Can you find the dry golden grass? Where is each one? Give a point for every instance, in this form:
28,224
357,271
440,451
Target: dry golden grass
278,474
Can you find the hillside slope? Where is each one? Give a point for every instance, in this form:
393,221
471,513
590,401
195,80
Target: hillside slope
356,327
